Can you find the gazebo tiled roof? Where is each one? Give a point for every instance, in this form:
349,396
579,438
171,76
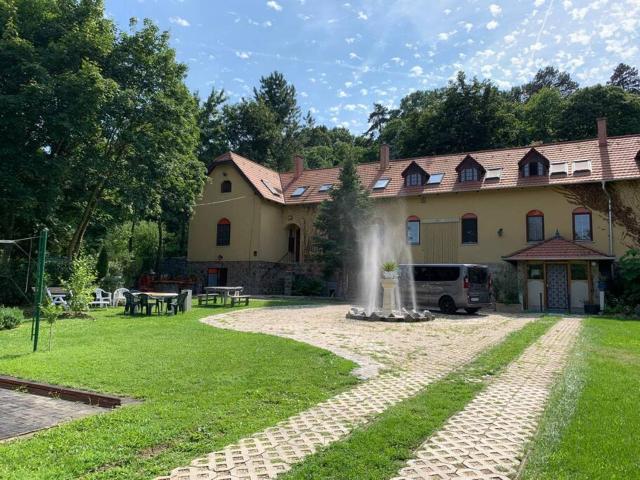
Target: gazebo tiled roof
557,248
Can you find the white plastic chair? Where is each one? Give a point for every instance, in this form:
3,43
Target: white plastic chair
103,298
118,295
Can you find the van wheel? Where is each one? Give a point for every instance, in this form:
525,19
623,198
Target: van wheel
447,305
471,311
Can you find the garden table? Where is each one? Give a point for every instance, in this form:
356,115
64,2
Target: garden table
164,297
225,292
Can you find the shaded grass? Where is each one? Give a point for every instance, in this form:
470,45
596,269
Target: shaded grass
591,427
202,387
380,449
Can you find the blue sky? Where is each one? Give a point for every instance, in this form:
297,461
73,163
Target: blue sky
343,56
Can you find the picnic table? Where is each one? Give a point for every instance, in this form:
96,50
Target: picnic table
224,292
58,295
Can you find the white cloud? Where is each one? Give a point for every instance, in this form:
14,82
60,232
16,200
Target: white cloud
581,37
267,23
342,94
362,15
243,55
492,25
538,3
179,21
354,56
509,39
350,40
416,71
468,26
274,5
364,92
495,9
443,36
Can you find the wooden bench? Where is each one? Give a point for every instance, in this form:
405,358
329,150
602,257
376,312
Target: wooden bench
238,299
205,298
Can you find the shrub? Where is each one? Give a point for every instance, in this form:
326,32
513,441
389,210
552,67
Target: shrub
629,270
505,285
10,317
81,283
307,286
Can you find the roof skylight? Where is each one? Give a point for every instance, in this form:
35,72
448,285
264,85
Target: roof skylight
271,188
299,191
493,174
582,166
381,183
558,167
435,178
325,187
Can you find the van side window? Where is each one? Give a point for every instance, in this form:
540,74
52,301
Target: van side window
436,274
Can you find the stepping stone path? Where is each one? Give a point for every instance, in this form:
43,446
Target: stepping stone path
415,354
486,440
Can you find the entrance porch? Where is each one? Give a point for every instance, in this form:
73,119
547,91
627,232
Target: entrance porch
559,275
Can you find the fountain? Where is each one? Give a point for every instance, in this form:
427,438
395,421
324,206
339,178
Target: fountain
379,275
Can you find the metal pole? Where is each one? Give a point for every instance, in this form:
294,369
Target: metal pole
42,252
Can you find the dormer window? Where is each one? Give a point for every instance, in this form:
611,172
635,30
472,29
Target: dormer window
470,170
533,164
469,174
414,175
413,180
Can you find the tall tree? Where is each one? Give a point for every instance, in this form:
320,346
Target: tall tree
338,222
626,77
377,120
265,128
542,115
549,77
213,135
622,110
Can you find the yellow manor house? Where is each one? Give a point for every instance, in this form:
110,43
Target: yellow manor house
550,218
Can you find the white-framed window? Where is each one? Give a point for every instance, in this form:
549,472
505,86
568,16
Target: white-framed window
469,174
413,230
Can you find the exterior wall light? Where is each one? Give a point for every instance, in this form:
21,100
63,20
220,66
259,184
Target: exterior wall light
500,232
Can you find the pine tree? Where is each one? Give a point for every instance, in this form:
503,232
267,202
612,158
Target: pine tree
338,222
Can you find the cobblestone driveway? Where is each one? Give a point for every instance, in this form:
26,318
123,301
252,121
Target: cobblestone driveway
399,359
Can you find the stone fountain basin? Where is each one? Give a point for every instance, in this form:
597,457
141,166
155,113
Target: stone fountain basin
396,316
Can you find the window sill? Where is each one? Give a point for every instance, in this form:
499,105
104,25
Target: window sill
469,244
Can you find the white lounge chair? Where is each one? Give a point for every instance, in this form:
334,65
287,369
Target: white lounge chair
103,298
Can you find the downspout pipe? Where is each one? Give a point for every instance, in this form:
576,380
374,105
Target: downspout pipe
606,192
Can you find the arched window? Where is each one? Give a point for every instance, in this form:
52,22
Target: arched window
582,226
223,232
469,223
413,230
225,187
535,226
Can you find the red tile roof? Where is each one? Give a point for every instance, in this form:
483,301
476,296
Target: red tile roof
557,248
615,161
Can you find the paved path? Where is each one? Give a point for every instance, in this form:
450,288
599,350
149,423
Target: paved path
415,354
486,440
22,413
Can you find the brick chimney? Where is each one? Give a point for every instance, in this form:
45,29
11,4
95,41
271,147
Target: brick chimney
602,131
384,156
298,166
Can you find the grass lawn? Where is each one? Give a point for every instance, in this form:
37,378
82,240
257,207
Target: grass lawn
591,428
202,387
379,450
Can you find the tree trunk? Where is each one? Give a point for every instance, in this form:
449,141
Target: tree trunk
160,247
76,240
131,234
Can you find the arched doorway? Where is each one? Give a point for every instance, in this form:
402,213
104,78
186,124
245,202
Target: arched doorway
295,243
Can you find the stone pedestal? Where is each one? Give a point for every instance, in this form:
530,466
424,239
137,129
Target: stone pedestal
389,286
